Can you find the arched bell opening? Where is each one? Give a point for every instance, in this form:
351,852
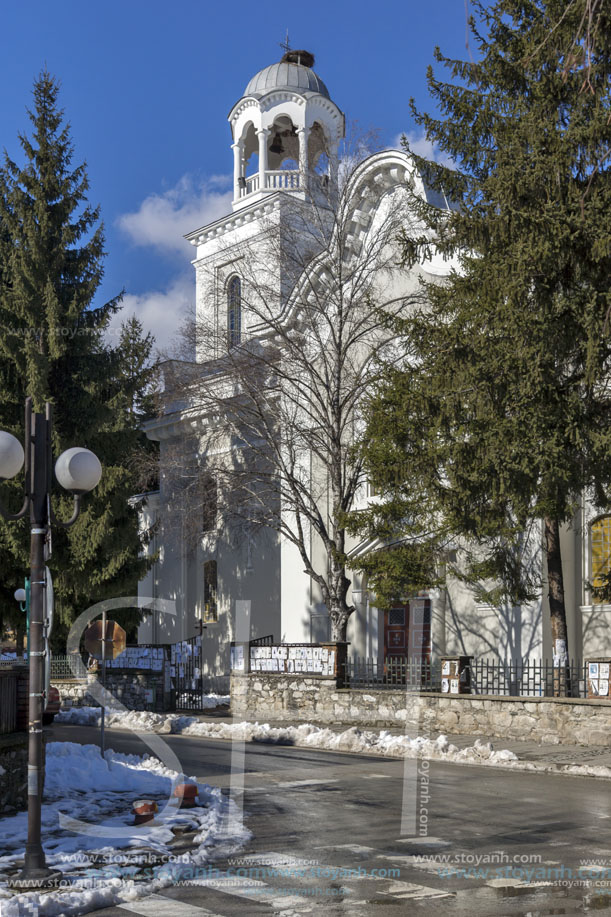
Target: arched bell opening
251,150
318,150
283,145
246,161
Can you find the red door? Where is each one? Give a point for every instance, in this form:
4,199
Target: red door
419,645
407,629
396,630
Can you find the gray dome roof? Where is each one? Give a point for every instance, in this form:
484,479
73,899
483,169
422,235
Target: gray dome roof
286,76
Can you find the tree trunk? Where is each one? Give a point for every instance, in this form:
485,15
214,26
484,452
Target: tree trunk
339,625
557,609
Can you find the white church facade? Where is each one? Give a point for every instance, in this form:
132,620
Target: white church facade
286,139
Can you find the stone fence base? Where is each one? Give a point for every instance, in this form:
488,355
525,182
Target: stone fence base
294,699
136,690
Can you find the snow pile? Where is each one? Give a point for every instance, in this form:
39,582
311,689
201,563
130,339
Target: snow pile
82,786
352,740
137,720
81,768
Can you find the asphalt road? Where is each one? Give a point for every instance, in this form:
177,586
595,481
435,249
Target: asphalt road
513,842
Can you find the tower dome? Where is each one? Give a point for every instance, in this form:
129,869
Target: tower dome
286,131
286,75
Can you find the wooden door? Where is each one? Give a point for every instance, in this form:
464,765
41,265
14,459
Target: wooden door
396,630
407,629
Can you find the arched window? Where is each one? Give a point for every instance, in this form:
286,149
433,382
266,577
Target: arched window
600,565
234,311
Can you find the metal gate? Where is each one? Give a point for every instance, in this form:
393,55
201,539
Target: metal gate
186,674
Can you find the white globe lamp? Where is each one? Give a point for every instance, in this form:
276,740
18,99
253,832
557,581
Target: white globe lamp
78,470
11,455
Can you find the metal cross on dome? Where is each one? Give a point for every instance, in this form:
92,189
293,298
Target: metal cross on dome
286,44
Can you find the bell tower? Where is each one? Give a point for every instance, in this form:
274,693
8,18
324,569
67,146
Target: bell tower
286,132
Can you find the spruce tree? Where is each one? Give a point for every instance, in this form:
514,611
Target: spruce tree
53,347
137,371
500,413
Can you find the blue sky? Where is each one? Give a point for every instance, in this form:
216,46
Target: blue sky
147,87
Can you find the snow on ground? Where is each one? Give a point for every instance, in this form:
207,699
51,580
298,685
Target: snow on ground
352,740
100,869
121,718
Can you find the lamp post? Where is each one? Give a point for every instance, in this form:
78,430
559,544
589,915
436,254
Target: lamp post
23,597
78,471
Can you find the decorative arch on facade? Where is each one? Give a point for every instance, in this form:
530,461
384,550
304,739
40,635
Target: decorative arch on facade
234,310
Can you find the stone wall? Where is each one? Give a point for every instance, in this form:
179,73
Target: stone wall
294,699
135,689
74,693
13,772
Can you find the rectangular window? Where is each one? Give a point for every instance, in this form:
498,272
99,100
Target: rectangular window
601,554
396,617
210,603
209,501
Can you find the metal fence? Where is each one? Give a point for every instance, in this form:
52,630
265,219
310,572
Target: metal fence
66,668
263,641
529,678
418,675
186,674
8,701
513,678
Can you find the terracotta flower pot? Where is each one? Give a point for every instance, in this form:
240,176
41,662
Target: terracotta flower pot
186,795
144,810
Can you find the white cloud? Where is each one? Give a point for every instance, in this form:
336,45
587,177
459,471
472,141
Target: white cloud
163,219
160,311
419,144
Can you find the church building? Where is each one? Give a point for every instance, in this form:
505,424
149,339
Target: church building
287,134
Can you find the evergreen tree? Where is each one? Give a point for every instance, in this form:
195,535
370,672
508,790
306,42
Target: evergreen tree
500,413
52,347
137,371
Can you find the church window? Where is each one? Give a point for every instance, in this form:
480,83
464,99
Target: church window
209,502
210,606
234,311
600,566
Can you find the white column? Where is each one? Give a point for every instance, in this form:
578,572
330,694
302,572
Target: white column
237,167
303,133
262,134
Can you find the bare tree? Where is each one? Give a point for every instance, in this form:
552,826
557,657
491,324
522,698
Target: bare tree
274,398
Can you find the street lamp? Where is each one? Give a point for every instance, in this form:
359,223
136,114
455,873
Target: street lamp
23,597
78,471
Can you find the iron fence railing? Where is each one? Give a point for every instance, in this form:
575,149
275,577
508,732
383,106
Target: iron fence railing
528,678
395,671
65,668
513,678
186,673
8,701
